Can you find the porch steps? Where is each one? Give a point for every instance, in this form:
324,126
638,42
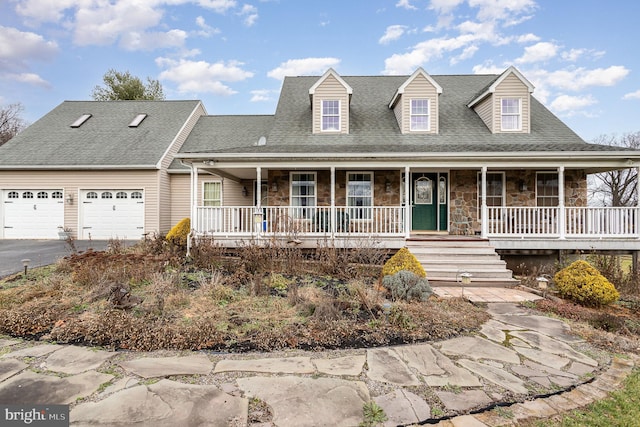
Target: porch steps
444,258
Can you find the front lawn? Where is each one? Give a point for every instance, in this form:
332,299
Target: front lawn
148,297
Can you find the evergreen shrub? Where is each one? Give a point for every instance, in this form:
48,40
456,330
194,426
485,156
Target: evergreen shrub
582,283
406,285
178,234
403,260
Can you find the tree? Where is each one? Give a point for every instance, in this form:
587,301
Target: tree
10,121
125,87
617,187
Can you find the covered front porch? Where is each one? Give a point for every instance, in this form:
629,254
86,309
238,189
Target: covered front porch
343,203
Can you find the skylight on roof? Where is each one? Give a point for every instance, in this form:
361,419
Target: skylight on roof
137,120
83,118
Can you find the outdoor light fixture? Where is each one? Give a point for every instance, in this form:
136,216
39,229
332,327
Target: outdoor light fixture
69,199
387,186
245,192
274,186
543,283
25,263
466,278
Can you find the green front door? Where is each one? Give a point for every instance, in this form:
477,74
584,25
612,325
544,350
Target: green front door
429,201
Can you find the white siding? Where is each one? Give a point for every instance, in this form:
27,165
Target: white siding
485,109
512,87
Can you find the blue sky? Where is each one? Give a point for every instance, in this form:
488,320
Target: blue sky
582,57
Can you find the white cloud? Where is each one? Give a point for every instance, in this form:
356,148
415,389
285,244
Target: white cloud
527,38
444,6
571,104
250,14
406,5
632,95
488,68
219,6
539,52
205,29
18,48
393,32
574,54
305,66
263,95
201,76
28,78
467,53
150,41
510,11
580,78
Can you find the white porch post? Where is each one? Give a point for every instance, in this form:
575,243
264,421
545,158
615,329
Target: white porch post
485,210
194,197
407,203
561,208
638,204
258,187
332,211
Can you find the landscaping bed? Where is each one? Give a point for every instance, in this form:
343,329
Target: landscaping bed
262,298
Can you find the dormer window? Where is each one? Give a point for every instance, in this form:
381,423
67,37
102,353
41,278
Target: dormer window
420,115
330,115
511,114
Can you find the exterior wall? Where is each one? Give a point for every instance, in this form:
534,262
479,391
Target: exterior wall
465,204
485,109
180,186
419,87
165,199
330,89
323,185
231,190
71,182
512,87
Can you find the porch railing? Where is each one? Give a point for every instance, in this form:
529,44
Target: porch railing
294,221
595,222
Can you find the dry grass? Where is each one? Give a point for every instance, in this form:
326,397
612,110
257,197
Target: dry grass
142,298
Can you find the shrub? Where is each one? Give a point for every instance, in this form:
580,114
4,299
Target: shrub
178,234
403,260
582,283
406,285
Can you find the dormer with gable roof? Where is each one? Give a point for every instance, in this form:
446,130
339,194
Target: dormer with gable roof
415,104
330,99
505,105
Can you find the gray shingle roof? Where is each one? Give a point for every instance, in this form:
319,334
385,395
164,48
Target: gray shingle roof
104,140
227,133
374,128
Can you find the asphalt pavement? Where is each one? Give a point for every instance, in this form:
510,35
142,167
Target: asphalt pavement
39,252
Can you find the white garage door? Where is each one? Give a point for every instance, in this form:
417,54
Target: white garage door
110,214
32,214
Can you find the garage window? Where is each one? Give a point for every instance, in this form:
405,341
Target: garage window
56,195
27,195
92,195
121,195
106,195
14,195
136,195
43,195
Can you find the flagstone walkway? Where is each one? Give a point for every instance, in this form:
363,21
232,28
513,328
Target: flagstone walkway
530,365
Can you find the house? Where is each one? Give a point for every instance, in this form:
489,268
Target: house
98,169
420,160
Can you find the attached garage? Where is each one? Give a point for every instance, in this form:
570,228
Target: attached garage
32,213
106,214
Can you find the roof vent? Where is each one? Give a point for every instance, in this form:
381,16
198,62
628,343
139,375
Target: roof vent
262,141
83,118
137,120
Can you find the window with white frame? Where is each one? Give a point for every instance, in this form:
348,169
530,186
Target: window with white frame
330,115
511,115
495,190
212,193
360,194
303,194
420,115
547,189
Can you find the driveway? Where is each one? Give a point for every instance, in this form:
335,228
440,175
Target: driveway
40,252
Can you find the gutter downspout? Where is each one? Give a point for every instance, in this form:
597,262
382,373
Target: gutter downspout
192,204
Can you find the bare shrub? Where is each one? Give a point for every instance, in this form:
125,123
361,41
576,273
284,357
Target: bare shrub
610,266
207,254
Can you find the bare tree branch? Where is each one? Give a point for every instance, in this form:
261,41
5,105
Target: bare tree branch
11,121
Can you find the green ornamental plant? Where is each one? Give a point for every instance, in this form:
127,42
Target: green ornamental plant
403,260
406,285
179,233
582,283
